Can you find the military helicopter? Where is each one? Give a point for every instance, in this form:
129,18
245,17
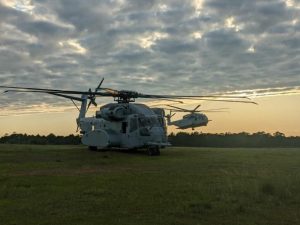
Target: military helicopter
122,124
195,118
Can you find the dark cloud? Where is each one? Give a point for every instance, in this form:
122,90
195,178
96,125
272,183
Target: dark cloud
150,46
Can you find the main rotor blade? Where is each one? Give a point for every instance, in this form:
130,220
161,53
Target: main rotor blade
211,111
37,89
44,90
216,109
191,96
175,107
132,95
220,100
67,96
177,110
194,97
51,93
225,100
110,90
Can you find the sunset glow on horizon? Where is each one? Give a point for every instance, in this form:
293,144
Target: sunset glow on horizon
272,114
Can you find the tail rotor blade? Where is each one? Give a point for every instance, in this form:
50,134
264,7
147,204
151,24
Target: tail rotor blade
99,84
196,108
93,96
90,102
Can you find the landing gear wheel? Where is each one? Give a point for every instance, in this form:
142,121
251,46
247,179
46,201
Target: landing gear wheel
153,150
157,151
93,148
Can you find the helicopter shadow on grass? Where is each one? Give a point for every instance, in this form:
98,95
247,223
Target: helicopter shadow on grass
143,151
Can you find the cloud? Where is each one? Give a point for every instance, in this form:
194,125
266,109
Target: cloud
190,47
265,92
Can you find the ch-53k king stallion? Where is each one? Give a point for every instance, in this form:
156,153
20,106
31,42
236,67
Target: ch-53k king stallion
194,118
122,124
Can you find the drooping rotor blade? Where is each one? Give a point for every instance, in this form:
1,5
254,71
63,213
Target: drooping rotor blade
204,110
45,90
216,109
171,100
127,96
60,91
219,100
34,89
113,92
197,97
211,111
192,96
182,109
225,100
67,96
52,93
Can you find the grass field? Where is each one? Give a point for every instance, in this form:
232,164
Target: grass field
70,185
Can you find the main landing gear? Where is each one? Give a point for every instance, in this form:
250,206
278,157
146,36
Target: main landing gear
153,150
93,148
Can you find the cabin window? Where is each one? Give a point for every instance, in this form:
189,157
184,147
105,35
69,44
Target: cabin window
124,127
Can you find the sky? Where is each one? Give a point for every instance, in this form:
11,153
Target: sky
159,47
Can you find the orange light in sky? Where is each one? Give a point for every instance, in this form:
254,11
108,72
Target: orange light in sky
279,113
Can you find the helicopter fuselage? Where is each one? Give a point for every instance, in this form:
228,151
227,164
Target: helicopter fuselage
190,121
124,125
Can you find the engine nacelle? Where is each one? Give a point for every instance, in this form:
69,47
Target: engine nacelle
114,113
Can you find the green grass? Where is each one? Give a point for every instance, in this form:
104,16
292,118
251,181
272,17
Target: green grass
70,185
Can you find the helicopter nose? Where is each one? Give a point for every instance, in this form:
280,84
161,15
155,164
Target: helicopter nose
157,133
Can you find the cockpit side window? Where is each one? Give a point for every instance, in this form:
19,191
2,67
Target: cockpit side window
142,122
98,114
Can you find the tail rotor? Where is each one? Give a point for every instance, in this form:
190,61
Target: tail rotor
92,95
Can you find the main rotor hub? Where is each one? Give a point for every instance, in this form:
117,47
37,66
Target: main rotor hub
125,96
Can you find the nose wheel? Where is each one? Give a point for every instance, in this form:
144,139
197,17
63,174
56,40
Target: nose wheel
153,150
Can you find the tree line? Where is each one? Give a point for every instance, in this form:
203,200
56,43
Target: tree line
50,139
243,139
195,139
